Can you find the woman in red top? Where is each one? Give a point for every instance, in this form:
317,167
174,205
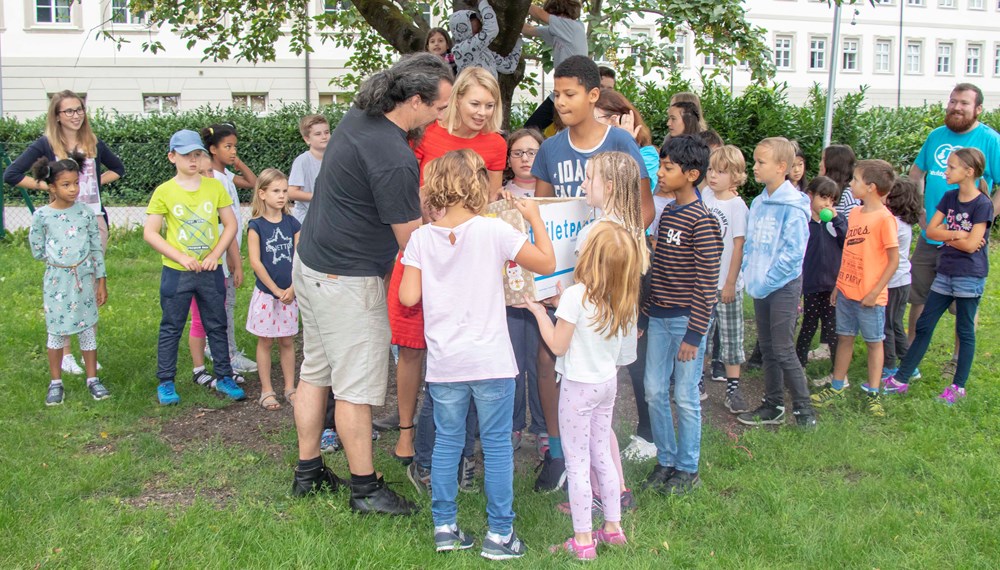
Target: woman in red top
472,120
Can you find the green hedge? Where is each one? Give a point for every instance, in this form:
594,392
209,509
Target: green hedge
273,140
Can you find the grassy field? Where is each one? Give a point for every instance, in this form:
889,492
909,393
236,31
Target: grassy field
125,483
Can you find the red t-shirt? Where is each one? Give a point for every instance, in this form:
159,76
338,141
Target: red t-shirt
437,142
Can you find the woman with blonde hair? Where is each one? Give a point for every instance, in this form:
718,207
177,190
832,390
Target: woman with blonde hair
67,129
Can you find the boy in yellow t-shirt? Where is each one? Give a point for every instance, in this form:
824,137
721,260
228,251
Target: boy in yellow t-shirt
871,255
192,207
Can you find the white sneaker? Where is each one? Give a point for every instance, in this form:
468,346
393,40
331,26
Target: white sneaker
639,449
69,365
822,352
242,364
828,379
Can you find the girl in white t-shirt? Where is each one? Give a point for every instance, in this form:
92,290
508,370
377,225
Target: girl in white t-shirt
454,266
594,329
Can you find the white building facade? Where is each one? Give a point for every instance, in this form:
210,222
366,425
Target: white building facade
911,51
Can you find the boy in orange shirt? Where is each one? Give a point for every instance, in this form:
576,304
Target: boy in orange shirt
871,255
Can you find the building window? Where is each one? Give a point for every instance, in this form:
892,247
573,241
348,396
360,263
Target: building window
120,14
256,102
817,53
996,60
678,49
850,61
160,103
334,6
885,2
973,60
977,5
944,59
914,51
946,3
330,99
640,39
783,52
711,60
53,11
917,3
883,56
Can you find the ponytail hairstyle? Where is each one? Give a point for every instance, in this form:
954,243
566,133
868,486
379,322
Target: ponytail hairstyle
85,137
267,177
622,195
457,178
688,97
973,158
213,135
904,201
47,171
616,104
610,268
690,115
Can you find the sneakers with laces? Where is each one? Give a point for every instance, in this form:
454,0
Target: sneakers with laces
893,386
916,375
98,391
821,352
827,396
702,394
70,366
681,483
658,477
542,444
612,538
227,386
952,394
467,475
242,364
448,538
496,548
805,418
887,372
765,414
420,476
639,449
718,371
54,396
552,474
827,380
329,442
736,403
869,390
167,394
370,498
875,405
579,551
202,378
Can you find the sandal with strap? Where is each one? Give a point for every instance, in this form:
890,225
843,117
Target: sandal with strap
276,405
405,460
288,397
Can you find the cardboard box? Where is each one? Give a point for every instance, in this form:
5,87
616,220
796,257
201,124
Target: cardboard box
563,219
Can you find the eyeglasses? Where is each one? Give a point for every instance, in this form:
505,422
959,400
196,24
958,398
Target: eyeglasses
73,112
606,117
530,153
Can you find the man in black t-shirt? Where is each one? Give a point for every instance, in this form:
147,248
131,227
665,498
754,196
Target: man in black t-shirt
365,205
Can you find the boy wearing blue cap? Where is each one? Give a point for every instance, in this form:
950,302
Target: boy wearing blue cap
192,207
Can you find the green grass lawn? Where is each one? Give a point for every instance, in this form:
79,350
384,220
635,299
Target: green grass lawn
99,485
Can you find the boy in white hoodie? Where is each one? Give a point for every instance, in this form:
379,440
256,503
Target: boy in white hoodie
777,233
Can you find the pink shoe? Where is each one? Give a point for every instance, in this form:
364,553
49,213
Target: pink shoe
892,386
613,538
588,552
951,394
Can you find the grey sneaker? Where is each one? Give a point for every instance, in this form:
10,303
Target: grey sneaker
447,540
420,476
467,475
496,550
702,394
681,483
241,364
98,391
736,403
765,414
54,397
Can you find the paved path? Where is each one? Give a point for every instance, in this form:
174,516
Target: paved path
17,217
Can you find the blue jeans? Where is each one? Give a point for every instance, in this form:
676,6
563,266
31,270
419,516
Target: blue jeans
495,404
965,330
853,318
177,288
680,450
423,441
524,337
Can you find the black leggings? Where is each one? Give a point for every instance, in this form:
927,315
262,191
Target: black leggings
637,371
816,307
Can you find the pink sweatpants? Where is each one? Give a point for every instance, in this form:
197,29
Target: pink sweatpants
585,411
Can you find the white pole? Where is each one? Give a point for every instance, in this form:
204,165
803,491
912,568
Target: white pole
831,87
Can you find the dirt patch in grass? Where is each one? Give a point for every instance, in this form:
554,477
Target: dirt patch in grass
154,496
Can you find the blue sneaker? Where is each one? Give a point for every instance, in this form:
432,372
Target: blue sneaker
887,372
916,375
167,394
329,442
228,386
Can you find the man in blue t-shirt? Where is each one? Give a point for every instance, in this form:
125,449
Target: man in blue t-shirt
961,129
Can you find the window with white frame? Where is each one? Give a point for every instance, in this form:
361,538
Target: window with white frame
977,5
944,53
53,11
851,46
996,60
678,48
641,37
946,3
817,53
914,52
885,2
917,3
783,52
974,59
256,102
328,99
158,103
334,6
711,60
883,56
120,14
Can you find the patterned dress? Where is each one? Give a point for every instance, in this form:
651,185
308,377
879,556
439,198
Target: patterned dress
69,242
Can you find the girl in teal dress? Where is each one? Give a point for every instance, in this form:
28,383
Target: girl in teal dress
65,236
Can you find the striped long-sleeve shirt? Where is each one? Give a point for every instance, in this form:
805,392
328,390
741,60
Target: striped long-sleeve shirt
685,270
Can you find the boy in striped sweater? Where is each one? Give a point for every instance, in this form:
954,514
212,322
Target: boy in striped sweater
685,272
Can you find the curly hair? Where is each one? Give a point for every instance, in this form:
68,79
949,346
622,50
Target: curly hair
48,170
621,175
457,178
904,201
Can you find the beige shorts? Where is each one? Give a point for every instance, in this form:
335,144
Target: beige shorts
345,334
102,228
